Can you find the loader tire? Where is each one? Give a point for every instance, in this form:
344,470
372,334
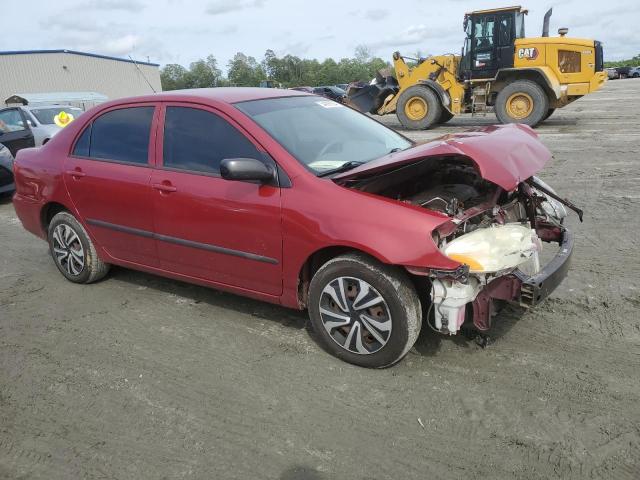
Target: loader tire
445,116
522,101
418,108
549,113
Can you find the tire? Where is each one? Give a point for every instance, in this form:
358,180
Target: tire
72,250
526,98
549,113
636,75
445,116
418,108
398,317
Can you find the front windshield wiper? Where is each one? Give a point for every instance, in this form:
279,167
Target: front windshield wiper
342,168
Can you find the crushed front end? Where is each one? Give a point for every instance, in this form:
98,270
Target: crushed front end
500,243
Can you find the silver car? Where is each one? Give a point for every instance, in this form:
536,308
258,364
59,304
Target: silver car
42,120
6,170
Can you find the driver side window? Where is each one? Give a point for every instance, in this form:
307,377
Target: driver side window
197,140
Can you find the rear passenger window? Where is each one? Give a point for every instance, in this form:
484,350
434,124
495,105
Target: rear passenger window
198,140
121,135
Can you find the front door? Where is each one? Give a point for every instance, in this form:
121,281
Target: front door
483,54
108,177
228,232
15,133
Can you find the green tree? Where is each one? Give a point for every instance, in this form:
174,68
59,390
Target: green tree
172,77
244,71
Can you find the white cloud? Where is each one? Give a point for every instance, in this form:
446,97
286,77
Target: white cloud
220,7
122,45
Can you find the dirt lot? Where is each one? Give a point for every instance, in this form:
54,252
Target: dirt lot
141,377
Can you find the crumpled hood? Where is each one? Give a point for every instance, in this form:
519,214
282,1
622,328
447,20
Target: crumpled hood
504,154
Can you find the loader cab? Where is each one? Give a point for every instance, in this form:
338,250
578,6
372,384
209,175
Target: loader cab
490,41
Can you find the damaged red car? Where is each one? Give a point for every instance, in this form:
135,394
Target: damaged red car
300,201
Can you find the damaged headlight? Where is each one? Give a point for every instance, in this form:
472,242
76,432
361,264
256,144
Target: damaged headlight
494,249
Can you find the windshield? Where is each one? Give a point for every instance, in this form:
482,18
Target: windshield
321,134
46,115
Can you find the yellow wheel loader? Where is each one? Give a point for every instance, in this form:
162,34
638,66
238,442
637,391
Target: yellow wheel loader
523,80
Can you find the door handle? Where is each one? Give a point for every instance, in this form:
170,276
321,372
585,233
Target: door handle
76,173
162,187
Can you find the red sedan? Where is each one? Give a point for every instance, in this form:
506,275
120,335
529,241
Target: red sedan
297,200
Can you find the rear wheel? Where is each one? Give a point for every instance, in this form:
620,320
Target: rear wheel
523,101
418,108
73,251
364,312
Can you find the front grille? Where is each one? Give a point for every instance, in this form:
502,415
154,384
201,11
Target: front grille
6,177
599,57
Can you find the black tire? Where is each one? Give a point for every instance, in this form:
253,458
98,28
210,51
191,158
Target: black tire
416,94
549,113
527,89
636,75
445,116
92,268
403,314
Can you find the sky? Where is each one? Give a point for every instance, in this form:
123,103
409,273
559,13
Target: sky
182,31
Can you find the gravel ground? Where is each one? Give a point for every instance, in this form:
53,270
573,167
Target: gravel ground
141,377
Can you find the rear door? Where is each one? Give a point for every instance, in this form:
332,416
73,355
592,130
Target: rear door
15,133
108,177
505,40
228,232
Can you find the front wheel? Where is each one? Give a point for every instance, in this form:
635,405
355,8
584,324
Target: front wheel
73,251
549,113
523,101
418,108
364,312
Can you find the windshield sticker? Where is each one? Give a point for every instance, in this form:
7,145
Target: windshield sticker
328,104
63,119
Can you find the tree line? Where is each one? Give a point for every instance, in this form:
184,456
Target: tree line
632,62
286,71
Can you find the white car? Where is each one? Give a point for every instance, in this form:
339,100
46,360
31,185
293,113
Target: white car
634,72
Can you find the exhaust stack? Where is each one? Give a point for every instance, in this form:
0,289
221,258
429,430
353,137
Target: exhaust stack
545,23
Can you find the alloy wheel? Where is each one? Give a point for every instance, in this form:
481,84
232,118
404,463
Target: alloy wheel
68,249
355,315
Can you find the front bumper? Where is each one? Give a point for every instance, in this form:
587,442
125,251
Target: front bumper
519,288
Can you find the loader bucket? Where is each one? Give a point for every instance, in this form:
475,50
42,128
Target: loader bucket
369,98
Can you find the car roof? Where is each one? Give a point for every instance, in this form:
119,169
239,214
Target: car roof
53,105
219,94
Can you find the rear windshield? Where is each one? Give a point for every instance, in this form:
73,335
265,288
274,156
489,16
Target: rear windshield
46,115
323,134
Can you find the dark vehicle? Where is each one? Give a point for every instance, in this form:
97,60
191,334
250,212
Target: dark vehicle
6,170
331,92
304,202
623,72
303,89
15,133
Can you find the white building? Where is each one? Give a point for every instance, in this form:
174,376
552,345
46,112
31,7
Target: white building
43,71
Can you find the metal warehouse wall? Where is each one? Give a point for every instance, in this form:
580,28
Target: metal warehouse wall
45,72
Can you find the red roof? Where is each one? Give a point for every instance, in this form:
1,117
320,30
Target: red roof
220,94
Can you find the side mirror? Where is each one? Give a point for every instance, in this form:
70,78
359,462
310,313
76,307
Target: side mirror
246,169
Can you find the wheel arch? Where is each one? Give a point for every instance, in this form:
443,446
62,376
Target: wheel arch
318,258
508,75
442,94
50,210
